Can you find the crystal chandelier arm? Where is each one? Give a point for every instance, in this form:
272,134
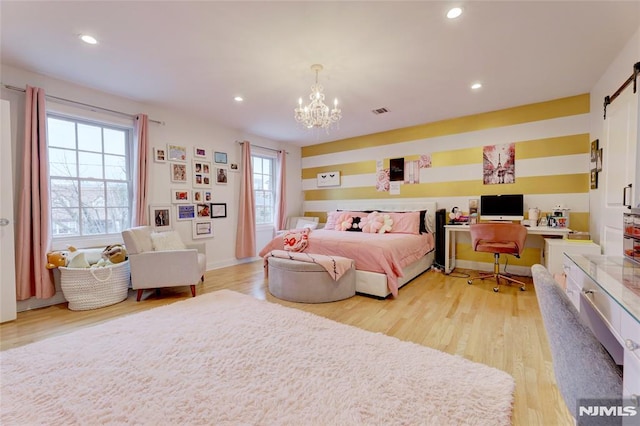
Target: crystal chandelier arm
317,114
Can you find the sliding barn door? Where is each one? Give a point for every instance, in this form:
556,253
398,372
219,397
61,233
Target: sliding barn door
619,167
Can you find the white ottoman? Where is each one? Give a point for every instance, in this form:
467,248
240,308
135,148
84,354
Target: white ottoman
308,282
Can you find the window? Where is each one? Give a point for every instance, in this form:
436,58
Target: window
90,177
264,188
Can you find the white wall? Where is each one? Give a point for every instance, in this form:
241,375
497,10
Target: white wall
617,72
179,128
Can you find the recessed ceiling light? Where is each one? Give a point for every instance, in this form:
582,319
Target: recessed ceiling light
88,39
454,12
476,86
238,99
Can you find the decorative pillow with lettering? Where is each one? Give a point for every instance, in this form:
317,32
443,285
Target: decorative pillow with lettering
296,239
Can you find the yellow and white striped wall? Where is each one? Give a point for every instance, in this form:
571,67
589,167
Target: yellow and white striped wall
551,165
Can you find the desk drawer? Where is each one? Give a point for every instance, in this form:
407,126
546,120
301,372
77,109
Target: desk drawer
573,291
630,333
631,379
573,272
602,315
610,311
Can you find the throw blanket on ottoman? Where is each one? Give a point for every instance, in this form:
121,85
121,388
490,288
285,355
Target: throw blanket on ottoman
335,266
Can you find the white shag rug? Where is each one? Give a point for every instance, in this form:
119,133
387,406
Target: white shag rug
227,358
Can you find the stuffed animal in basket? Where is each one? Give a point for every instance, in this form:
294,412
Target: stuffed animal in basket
77,259
115,253
55,259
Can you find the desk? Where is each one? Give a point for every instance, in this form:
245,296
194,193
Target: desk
450,240
606,292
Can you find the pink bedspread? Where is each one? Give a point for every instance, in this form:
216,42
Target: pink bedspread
383,253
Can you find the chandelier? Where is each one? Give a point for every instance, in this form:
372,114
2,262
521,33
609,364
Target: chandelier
317,114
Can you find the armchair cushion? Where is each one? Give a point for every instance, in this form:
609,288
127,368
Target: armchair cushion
163,241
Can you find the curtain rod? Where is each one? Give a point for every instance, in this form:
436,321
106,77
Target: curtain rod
264,147
634,76
88,106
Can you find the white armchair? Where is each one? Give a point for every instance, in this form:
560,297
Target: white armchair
170,265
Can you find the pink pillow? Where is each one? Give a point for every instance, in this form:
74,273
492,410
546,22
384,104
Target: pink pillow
344,222
405,222
331,220
376,222
296,239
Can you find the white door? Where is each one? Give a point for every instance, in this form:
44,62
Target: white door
619,167
7,250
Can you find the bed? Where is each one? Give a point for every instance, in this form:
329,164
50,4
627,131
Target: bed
384,262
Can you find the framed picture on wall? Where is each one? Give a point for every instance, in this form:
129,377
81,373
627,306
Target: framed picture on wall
160,217
220,157
202,228
185,212
594,179
178,172
201,174
221,175
594,153
180,195
199,152
177,153
203,210
218,210
159,155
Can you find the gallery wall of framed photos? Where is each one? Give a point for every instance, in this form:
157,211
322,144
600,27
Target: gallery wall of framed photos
193,173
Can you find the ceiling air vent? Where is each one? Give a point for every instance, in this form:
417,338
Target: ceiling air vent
379,111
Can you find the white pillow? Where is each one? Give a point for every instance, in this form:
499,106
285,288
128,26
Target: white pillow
169,240
428,222
306,223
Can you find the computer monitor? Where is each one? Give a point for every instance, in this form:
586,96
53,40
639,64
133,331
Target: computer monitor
507,207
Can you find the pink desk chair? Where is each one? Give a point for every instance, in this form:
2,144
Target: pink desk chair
496,238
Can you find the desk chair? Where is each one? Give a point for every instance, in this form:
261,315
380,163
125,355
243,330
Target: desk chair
496,238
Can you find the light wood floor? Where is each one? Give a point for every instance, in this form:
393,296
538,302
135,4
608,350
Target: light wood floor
503,330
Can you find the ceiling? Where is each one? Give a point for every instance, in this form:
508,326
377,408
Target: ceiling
403,56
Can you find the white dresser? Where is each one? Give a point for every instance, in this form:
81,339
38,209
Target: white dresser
606,291
554,249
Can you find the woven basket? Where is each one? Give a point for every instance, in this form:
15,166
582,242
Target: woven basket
91,288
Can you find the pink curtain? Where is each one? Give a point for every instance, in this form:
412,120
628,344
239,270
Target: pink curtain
141,170
33,239
281,193
246,235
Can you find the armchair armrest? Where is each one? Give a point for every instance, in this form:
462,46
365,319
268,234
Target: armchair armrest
201,247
